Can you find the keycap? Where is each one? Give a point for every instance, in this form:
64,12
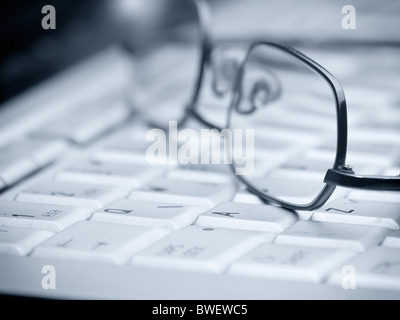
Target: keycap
97,241
110,173
199,194
381,196
200,249
380,214
73,194
286,262
200,176
151,214
332,235
40,151
15,167
392,240
20,241
85,122
40,216
124,149
378,267
247,217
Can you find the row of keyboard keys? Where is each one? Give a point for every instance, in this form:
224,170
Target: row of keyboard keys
151,214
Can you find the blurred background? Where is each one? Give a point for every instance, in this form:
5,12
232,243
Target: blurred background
29,54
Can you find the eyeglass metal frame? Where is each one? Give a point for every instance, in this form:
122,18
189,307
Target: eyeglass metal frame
341,174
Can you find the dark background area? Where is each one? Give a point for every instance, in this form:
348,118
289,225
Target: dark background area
29,54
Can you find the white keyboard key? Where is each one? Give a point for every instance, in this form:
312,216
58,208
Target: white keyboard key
378,267
15,167
41,152
20,241
123,150
97,241
72,194
382,196
247,217
332,235
372,213
392,240
151,214
200,176
200,194
244,196
40,216
86,122
200,249
290,262
108,173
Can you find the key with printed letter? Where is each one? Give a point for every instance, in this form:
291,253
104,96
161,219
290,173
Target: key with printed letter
372,213
378,267
247,217
40,216
151,214
73,194
202,249
20,241
97,241
332,235
200,194
290,262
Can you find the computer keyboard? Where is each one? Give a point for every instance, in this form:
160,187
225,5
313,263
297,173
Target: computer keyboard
79,196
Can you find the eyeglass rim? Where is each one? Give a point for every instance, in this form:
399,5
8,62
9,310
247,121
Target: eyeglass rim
341,117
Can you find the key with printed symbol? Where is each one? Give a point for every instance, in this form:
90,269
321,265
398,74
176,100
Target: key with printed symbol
40,216
372,213
73,194
332,235
378,267
20,241
97,241
392,240
200,249
109,173
247,217
200,194
151,214
290,262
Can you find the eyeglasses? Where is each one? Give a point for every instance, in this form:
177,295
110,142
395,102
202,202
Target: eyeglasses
270,89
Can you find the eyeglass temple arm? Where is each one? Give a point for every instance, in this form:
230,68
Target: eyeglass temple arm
349,179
